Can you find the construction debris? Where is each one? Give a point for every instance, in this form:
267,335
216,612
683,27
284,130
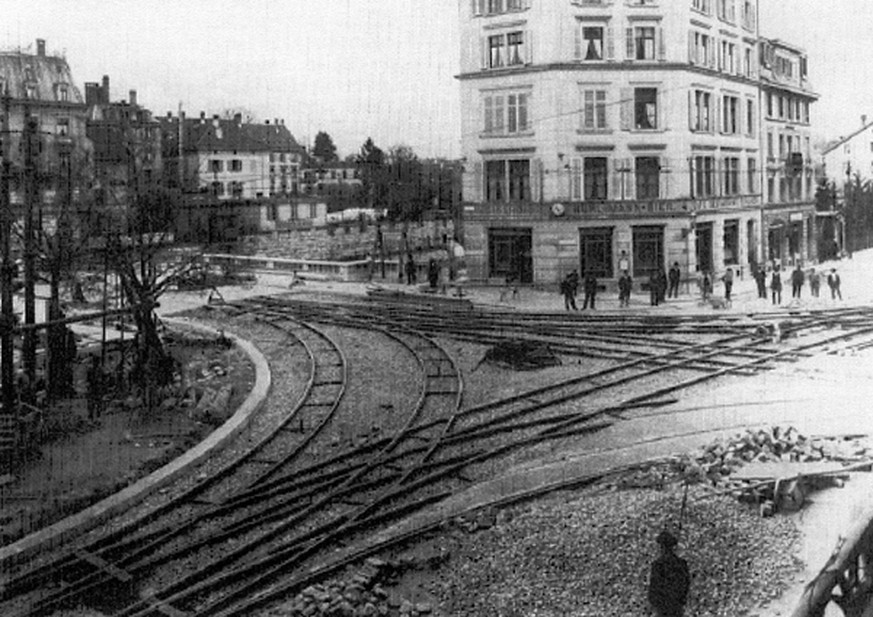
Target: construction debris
521,355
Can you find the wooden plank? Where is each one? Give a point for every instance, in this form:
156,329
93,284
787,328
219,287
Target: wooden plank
786,469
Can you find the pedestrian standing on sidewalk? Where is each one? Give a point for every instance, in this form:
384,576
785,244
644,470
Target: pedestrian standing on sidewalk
761,282
669,579
569,287
625,284
654,288
796,282
776,286
674,277
589,286
410,269
728,280
662,285
834,284
705,285
814,283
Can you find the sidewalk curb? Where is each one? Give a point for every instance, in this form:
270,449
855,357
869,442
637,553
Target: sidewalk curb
92,516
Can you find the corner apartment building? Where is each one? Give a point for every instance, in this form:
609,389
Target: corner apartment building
788,214
40,86
610,134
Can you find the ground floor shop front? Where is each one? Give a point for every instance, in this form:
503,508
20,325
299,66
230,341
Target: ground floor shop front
541,247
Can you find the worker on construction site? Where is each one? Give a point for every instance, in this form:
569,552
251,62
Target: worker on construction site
669,579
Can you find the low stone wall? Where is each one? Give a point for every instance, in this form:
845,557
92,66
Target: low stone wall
347,241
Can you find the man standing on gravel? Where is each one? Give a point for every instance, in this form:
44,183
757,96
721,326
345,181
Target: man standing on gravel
669,579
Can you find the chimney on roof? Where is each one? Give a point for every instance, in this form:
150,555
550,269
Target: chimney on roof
132,98
202,117
92,93
863,119
104,93
40,47
267,121
237,117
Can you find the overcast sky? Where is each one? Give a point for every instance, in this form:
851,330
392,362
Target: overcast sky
359,68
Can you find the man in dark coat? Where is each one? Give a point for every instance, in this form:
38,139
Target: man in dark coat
761,282
590,288
569,287
654,288
797,278
625,284
675,275
669,579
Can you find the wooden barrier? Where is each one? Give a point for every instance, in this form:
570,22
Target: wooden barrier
847,578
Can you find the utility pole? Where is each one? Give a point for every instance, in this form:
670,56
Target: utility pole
7,370
30,136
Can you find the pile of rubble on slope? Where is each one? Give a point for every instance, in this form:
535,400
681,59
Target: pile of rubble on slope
772,467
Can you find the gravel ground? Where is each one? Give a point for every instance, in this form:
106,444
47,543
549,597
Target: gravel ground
588,553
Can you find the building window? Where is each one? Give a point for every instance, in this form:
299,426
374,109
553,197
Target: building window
236,189
727,10
731,175
646,108
506,50
641,43
496,7
593,109
63,93
731,240
770,146
752,171
236,165
700,120
702,52
647,172
217,188
595,250
729,115
506,113
63,127
702,176
727,59
595,171
592,43
704,6
648,250
750,118
216,166
507,180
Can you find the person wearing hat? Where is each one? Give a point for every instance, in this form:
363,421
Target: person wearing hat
669,579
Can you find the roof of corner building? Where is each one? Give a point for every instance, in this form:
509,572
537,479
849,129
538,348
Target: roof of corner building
45,73
225,134
843,140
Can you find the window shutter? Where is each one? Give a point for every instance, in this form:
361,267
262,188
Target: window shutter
664,177
483,48
576,180
478,180
615,190
626,108
528,46
610,44
691,50
660,112
712,52
477,7
630,180
662,45
488,103
536,182
629,43
717,128
692,119
577,53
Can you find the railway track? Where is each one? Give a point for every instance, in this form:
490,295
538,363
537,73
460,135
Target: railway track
278,527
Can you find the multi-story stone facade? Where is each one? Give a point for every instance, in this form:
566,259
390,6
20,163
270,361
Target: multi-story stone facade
40,87
789,216
605,135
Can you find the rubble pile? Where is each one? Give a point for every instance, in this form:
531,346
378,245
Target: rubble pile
521,355
590,554
715,462
363,592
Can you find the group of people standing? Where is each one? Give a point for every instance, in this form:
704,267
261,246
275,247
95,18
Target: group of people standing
570,287
797,278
